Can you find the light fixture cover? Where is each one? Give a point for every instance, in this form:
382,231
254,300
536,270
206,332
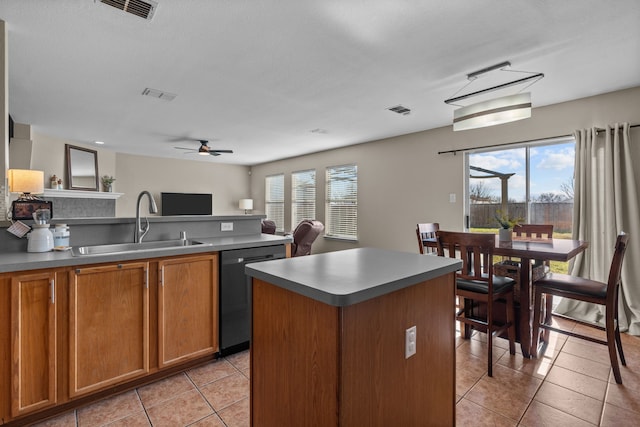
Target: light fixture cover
26,181
493,112
246,204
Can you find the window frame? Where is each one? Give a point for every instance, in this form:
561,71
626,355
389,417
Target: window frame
307,202
271,206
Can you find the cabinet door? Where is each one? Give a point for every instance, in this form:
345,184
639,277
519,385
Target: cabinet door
108,325
33,344
187,308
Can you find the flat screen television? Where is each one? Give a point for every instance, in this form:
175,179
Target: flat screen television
187,204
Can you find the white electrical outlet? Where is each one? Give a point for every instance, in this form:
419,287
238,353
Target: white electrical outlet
410,342
226,226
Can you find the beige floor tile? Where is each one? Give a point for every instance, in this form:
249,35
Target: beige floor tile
583,366
211,421
492,395
139,419
623,397
162,390
211,372
587,350
67,419
226,391
577,382
109,410
615,416
236,415
473,415
240,360
537,368
183,409
541,415
570,402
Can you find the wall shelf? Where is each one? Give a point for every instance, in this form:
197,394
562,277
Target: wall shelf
78,194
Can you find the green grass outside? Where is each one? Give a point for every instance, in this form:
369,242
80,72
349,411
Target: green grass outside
556,266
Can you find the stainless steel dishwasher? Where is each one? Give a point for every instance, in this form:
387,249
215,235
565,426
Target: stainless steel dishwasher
235,294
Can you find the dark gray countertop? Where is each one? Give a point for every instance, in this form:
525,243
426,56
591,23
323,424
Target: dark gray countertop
20,261
348,277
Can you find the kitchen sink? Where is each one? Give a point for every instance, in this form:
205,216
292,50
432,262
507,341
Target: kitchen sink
120,248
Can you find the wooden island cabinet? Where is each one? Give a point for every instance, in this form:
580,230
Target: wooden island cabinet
329,338
70,335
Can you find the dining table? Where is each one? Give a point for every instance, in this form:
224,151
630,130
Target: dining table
528,249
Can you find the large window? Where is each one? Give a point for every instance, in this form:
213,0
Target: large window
342,202
533,182
274,200
303,196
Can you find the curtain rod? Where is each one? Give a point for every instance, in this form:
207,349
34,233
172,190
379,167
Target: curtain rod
517,142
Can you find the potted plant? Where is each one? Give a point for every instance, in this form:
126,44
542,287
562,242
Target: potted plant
107,183
506,225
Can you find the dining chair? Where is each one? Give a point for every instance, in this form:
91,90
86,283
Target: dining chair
427,231
475,283
580,289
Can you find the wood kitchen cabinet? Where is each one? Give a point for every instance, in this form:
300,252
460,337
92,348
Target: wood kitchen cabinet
33,342
108,325
187,308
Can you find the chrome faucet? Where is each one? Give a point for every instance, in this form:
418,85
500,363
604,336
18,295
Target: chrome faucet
141,231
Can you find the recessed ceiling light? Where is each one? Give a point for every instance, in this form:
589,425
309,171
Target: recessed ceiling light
100,142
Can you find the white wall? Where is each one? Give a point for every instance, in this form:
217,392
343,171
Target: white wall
403,180
228,183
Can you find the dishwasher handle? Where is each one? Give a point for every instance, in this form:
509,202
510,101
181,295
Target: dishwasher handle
256,258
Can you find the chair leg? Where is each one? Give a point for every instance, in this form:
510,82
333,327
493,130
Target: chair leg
611,328
511,331
535,336
548,309
490,337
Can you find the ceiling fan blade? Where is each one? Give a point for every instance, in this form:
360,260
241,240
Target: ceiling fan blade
182,148
214,153
221,151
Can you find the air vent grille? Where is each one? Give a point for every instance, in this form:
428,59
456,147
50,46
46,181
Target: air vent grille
160,94
400,110
143,9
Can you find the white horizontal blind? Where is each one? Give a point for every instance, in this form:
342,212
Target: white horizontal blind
303,196
274,200
342,202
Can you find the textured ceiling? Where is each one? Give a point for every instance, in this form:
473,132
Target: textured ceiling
258,76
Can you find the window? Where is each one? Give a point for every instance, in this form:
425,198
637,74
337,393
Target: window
274,200
533,182
303,196
342,202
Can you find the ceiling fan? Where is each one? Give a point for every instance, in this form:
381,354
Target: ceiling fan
204,149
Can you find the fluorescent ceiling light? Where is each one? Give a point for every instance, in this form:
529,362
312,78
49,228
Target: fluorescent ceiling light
493,112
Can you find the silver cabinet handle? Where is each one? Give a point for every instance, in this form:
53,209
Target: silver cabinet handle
53,291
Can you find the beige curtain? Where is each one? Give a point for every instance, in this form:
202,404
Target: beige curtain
605,203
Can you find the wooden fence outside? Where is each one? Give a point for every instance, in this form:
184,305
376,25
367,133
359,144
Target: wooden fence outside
558,214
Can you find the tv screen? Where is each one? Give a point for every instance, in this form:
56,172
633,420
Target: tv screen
187,204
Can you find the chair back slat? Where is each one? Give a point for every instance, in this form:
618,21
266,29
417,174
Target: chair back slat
537,231
426,231
475,250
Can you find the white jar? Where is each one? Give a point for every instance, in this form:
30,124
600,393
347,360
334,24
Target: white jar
40,239
61,235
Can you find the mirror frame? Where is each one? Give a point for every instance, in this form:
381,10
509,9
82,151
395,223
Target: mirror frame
70,168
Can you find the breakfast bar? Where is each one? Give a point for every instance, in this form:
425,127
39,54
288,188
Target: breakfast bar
332,339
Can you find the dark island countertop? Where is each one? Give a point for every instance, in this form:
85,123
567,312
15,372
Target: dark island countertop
348,277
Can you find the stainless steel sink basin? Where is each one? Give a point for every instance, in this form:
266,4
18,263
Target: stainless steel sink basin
131,247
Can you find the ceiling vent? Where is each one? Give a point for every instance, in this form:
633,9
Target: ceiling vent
160,94
143,9
400,110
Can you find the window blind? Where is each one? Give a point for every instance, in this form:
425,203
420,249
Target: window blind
303,196
274,200
342,202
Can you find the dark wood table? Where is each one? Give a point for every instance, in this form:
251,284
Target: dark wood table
527,250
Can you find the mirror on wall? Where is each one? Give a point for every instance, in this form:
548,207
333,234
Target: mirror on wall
82,168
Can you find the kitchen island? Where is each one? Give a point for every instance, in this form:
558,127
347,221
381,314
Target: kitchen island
329,334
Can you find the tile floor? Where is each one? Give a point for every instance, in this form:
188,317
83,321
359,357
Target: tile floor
570,385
